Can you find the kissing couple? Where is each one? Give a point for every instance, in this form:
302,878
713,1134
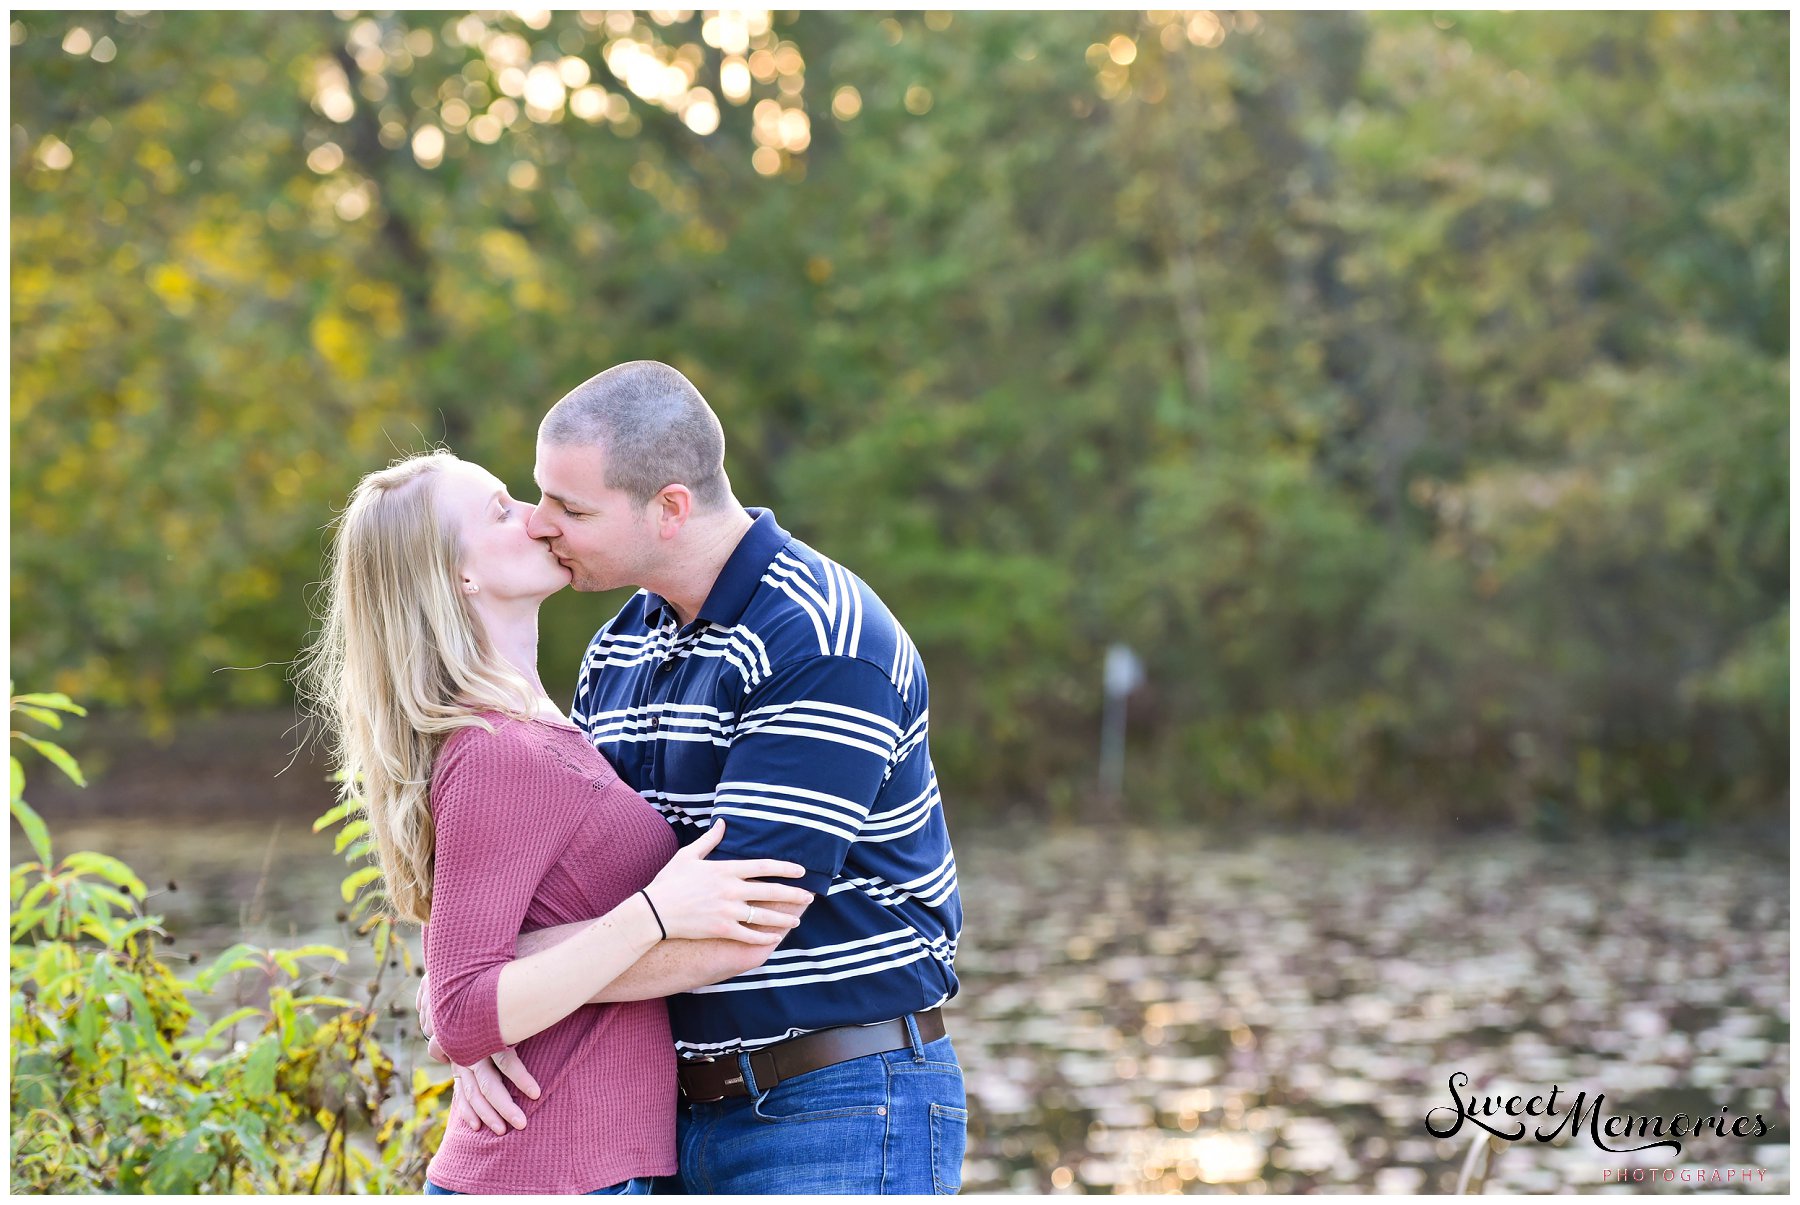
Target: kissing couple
693,932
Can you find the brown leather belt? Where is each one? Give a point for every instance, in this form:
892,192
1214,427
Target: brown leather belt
704,1080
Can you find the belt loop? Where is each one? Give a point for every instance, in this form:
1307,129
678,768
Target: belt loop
918,1044
749,1075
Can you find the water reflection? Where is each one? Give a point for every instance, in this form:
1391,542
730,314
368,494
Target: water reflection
1156,1012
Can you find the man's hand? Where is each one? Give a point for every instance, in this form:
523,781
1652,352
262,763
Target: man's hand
481,1096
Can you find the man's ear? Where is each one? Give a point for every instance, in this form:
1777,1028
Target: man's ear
674,507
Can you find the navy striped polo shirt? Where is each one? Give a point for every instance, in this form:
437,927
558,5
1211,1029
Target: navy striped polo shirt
795,706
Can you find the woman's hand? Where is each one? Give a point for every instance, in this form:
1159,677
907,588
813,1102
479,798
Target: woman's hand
697,899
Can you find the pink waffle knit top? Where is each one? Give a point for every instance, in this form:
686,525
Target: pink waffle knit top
535,829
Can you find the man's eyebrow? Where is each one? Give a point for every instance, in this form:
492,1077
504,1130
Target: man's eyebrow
565,503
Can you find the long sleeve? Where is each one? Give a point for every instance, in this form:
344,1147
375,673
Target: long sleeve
499,830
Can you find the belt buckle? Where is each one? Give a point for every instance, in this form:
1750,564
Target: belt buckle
698,1100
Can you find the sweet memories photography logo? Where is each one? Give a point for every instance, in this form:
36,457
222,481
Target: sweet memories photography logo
1507,1117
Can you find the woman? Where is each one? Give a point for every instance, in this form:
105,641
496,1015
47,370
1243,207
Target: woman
493,814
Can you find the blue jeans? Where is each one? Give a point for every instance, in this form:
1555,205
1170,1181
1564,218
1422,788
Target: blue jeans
638,1187
883,1123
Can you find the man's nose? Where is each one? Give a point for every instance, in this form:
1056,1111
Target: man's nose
535,527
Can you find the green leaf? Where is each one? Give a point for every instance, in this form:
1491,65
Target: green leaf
366,901
48,968
88,1024
108,868
259,1067
356,879
92,1016
137,925
57,700
91,897
24,920
31,822
253,1141
336,814
320,951
350,832
141,1022
18,779
289,960
48,718
239,957
57,756
99,926
281,1005
36,892
218,1027
181,1166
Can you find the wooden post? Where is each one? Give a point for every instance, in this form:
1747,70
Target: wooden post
1122,675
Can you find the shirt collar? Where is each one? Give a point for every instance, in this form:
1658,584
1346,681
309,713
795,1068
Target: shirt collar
738,580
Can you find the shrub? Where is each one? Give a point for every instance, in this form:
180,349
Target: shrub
128,1078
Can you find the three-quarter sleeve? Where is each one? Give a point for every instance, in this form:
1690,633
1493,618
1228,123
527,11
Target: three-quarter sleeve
498,831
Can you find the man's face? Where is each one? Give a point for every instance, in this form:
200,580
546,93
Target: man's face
604,538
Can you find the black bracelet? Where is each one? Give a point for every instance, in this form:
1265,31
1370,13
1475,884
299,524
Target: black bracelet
653,912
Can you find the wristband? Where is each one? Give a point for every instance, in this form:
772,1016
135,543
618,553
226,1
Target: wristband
656,914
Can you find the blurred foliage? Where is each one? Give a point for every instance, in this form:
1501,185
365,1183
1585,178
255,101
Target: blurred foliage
1410,389
126,1078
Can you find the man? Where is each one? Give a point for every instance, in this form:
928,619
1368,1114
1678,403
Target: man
752,678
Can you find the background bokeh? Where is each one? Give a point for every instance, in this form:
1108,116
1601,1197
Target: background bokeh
1409,390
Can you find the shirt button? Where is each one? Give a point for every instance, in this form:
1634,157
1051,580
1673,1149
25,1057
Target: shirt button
655,723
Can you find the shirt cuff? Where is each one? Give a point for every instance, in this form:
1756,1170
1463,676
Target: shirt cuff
468,1018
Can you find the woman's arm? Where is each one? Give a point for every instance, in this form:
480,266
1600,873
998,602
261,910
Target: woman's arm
676,965
499,829
700,903
671,966
537,991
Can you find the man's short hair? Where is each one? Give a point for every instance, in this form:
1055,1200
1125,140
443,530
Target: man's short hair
654,427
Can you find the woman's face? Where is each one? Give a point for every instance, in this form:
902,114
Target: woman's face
499,558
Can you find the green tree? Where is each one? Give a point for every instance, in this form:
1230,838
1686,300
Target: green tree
1409,388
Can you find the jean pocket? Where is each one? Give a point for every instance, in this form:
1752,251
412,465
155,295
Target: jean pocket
949,1138
857,1088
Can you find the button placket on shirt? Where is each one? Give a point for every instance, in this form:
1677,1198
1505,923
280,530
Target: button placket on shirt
662,687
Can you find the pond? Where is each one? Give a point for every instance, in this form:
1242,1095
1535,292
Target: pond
1179,1011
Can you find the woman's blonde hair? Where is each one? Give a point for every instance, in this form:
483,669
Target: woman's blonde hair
400,662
